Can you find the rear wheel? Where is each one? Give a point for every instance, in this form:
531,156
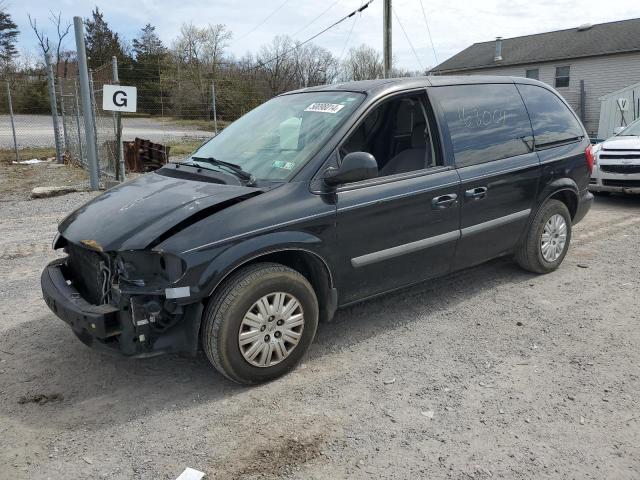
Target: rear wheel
547,239
260,323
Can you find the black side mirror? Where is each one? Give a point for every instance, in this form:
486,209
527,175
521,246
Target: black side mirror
356,166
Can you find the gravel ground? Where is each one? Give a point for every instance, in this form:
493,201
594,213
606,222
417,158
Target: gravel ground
37,131
488,373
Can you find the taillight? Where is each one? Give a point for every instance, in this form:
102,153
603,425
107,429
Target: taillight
590,158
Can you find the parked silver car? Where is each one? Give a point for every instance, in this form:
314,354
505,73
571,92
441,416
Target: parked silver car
617,162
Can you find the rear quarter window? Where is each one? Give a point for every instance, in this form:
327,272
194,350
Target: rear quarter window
553,123
485,122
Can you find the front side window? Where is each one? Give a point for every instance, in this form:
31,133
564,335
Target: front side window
562,77
276,139
553,123
486,122
533,73
398,134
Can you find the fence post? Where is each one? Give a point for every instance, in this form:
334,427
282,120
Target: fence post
94,113
54,106
75,89
120,159
215,114
83,73
62,114
13,125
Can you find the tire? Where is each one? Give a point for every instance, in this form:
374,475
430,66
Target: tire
529,254
236,308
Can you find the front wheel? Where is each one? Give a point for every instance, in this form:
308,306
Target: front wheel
260,323
547,239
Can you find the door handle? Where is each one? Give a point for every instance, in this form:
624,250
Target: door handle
476,193
444,201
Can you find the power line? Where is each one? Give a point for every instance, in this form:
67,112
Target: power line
407,37
316,18
264,20
424,15
346,43
346,17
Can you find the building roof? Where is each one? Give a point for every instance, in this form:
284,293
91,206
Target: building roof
601,39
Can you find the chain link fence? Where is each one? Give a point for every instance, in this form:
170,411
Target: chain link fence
26,127
177,108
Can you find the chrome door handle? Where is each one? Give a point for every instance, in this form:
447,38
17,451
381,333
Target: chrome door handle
444,201
476,193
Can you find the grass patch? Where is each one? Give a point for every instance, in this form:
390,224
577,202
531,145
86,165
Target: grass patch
183,149
8,155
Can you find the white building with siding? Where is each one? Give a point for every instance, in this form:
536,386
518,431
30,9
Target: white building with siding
601,58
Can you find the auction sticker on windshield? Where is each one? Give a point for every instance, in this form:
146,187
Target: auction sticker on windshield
324,107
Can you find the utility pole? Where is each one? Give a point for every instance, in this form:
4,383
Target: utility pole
386,35
87,110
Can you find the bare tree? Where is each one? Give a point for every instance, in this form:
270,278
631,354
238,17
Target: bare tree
314,65
362,63
277,62
198,53
43,39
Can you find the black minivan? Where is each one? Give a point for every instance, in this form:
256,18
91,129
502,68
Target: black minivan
317,199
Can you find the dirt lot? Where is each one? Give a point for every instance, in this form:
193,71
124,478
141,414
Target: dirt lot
488,373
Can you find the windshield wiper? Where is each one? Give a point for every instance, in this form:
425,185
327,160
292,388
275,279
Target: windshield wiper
232,167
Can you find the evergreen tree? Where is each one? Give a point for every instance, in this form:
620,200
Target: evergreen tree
8,37
148,45
150,56
102,43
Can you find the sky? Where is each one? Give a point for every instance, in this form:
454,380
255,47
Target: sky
454,25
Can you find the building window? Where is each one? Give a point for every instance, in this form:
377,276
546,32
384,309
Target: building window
562,77
533,73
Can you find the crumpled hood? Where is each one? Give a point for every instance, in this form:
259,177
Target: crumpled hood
133,215
622,143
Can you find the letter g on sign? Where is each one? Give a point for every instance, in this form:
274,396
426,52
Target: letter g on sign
120,98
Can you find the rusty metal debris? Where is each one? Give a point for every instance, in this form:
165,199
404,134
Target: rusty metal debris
145,156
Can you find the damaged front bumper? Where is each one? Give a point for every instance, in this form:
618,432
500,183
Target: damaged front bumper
132,325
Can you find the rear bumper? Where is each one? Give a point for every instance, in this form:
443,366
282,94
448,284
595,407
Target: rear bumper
110,328
584,204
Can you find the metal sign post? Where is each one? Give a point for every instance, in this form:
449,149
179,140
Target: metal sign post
120,170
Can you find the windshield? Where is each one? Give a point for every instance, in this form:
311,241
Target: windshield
275,140
631,131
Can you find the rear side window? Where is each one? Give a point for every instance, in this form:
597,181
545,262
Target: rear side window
486,122
553,122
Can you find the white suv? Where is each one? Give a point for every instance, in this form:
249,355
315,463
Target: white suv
617,159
